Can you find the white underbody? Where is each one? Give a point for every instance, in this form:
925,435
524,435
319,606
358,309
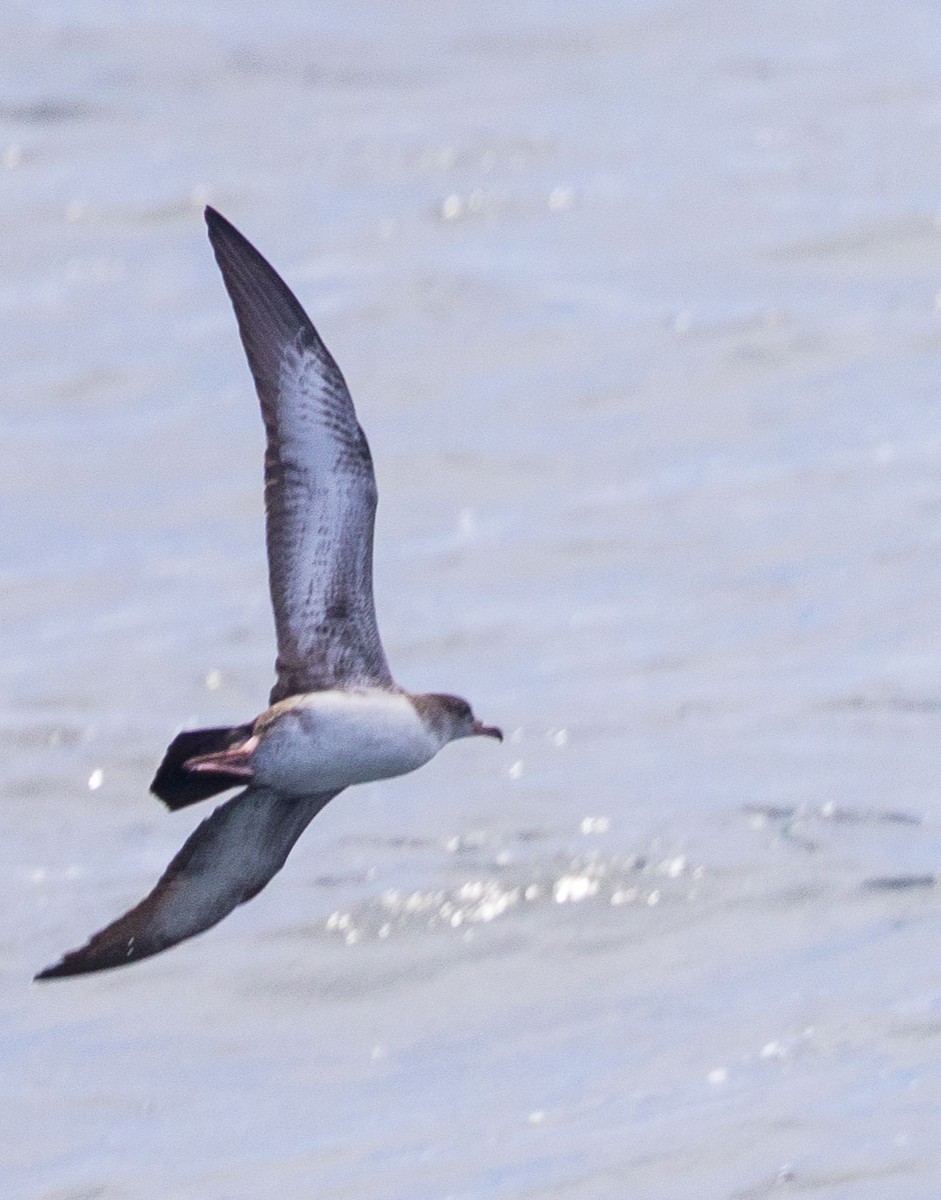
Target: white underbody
324,741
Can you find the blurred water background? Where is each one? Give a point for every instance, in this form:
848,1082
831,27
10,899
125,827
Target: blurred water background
639,303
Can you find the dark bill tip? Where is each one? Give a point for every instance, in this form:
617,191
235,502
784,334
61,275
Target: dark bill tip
488,731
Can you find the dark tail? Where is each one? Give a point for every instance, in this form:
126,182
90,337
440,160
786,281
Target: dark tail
176,786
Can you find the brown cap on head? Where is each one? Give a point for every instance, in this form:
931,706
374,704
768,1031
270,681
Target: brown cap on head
452,716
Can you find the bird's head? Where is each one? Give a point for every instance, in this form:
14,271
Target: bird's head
452,717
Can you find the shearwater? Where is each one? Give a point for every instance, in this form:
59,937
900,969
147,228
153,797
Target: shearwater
336,716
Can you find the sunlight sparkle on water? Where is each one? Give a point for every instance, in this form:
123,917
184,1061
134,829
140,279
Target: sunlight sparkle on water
585,878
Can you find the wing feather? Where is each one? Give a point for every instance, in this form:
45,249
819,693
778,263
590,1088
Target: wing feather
227,860
320,489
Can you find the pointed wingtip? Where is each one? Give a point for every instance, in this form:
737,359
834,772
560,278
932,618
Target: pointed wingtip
117,945
222,230
91,958
216,223
79,962
56,971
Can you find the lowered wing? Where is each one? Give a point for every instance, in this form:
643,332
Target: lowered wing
227,860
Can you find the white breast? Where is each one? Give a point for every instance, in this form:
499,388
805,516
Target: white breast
328,740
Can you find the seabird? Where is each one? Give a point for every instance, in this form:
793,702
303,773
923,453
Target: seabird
336,717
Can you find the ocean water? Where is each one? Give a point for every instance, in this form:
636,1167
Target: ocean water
639,305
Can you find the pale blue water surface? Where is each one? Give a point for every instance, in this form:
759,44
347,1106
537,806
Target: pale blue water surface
639,304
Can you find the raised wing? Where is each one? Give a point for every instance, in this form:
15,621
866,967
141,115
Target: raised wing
227,860
320,490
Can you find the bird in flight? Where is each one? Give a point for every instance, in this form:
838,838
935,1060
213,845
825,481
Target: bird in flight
336,716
